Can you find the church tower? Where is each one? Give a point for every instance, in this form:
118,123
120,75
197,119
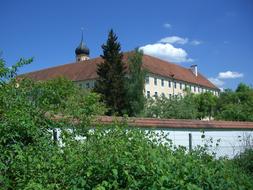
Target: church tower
82,51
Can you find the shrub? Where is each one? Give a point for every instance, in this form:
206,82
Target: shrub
108,157
245,160
120,158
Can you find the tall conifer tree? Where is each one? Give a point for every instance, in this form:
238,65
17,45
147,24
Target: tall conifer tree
112,73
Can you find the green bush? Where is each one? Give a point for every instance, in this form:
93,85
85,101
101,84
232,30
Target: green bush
108,157
245,160
117,158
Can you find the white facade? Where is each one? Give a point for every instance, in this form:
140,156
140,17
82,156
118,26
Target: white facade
88,84
156,85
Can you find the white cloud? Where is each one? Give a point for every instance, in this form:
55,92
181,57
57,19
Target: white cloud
224,75
216,81
167,25
196,42
179,40
174,40
230,75
166,52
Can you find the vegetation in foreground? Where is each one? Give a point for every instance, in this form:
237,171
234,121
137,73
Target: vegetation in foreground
111,157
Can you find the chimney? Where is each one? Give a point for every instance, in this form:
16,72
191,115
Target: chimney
194,69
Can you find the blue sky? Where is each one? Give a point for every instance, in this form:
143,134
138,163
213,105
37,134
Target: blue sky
217,35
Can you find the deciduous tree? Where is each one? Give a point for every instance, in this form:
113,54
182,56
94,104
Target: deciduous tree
236,105
135,84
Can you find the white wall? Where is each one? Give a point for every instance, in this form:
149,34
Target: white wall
231,142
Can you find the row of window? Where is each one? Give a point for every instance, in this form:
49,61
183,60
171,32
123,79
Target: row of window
170,95
162,94
86,85
192,88
163,82
170,83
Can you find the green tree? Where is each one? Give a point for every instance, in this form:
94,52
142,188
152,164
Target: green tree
112,76
236,105
8,73
135,84
206,104
171,108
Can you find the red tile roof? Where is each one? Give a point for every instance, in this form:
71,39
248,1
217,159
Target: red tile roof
166,69
86,70
178,123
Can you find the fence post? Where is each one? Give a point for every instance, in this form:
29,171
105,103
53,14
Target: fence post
55,135
190,142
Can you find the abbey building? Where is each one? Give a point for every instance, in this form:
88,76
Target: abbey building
163,78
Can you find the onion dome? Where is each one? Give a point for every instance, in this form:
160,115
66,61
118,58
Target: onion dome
82,48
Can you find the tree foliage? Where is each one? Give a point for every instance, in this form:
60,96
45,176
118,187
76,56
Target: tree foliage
7,73
135,84
176,108
237,106
245,160
206,105
104,157
112,76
